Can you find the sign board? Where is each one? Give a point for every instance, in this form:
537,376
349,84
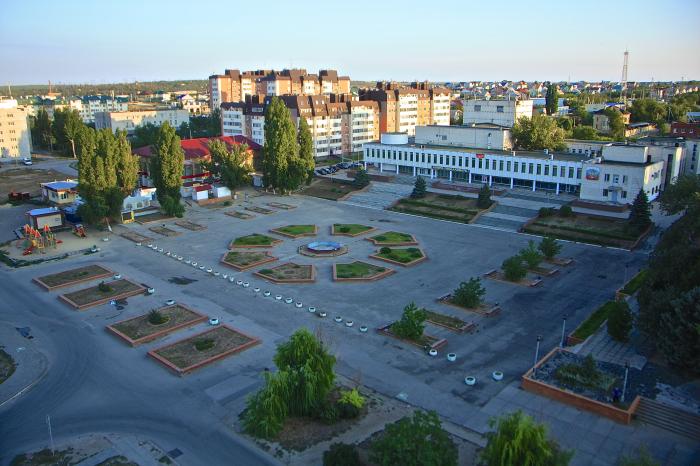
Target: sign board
479,156
593,173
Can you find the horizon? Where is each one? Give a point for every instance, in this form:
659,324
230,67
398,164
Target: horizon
99,46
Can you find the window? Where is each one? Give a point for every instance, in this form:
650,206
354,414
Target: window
454,161
546,170
624,194
499,109
578,173
486,163
473,163
531,168
605,193
607,177
508,165
523,168
624,179
500,165
571,172
616,179
515,167
422,158
554,170
477,108
539,169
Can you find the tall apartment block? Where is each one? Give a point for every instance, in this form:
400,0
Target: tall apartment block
402,108
234,85
338,125
15,139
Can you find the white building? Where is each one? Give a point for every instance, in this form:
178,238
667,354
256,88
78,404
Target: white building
128,121
15,139
498,112
469,154
87,106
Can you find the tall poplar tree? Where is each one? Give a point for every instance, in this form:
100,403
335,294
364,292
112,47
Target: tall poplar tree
552,99
127,164
306,148
166,169
280,145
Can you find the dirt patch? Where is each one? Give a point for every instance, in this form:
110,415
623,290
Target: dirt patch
243,260
26,180
135,237
164,231
238,214
187,225
73,276
329,189
154,217
289,273
139,330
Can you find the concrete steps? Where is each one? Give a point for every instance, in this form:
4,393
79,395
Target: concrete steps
669,418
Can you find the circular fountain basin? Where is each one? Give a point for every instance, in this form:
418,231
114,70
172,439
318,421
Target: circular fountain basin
324,246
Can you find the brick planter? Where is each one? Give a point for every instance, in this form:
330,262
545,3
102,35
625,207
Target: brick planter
272,244
500,277
197,318
104,273
439,343
291,235
378,276
136,290
269,258
573,399
311,279
402,264
486,309
411,242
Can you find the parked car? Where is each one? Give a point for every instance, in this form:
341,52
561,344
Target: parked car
27,161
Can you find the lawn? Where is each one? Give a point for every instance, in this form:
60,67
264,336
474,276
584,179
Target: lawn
393,238
452,323
7,366
289,272
246,259
440,206
93,295
138,329
357,269
255,239
67,277
184,354
636,283
589,326
400,255
349,229
296,230
586,228
328,189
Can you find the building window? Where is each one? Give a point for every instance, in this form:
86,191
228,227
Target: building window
531,168
499,109
477,108
571,172
624,194
539,169
500,165
605,193
624,179
422,157
546,170
607,177
515,167
473,163
486,164
616,179
554,170
578,173
480,163
508,165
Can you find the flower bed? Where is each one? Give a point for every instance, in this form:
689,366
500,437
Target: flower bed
255,240
289,273
244,260
135,237
72,277
279,205
138,330
187,225
393,238
296,231
440,206
584,228
184,356
350,229
93,296
259,210
500,277
404,257
425,342
154,217
164,231
449,322
485,309
238,214
359,271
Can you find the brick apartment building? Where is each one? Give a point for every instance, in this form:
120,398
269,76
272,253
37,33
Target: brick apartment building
686,130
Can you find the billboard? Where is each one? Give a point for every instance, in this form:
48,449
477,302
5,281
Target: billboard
593,173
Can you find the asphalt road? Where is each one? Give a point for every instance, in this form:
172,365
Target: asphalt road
86,391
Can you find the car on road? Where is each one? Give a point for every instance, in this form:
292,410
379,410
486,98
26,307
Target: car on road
27,161
213,321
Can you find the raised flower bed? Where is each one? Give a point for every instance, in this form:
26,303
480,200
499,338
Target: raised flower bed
138,330
72,277
350,229
279,205
289,273
259,210
135,237
238,214
244,260
255,240
187,225
296,231
454,324
484,309
404,257
164,231
359,271
425,342
192,353
393,238
101,294
500,277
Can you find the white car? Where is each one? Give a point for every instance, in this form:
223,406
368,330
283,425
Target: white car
27,161
170,302
213,321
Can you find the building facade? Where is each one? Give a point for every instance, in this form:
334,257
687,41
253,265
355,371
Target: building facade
15,138
89,105
130,120
497,112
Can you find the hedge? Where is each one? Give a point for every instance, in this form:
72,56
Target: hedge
589,326
587,231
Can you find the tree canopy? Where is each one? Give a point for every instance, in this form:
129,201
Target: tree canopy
538,133
552,99
231,166
166,168
67,126
615,123
280,146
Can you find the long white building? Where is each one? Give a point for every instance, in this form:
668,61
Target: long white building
129,121
481,154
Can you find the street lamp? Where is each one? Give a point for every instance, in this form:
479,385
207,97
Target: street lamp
624,384
537,355
563,332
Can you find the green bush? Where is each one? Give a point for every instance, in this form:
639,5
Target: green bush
531,256
549,247
341,454
566,211
347,410
345,229
104,288
411,324
419,188
469,294
620,321
156,318
513,269
204,344
546,212
385,250
352,397
484,201
266,272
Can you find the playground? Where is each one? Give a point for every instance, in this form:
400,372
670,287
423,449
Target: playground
43,243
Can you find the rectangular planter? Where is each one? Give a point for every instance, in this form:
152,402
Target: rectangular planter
105,274
486,309
376,277
80,307
498,276
290,235
154,336
384,331
249,266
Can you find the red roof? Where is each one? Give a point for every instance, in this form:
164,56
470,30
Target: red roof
199,147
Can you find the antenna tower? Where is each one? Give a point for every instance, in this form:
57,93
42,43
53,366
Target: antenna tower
624,78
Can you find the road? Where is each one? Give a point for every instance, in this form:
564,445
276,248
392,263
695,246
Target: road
86,391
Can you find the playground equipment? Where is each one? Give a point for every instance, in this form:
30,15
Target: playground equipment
79,230
38,239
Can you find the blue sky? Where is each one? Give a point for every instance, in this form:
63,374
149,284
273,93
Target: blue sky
100,41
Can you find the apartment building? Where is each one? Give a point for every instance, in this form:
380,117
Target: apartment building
130,120
338,126
88,105
402,108
498,112
15,139
235,86
468,154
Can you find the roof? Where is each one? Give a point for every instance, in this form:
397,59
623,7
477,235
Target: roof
43,211
199,147
60,185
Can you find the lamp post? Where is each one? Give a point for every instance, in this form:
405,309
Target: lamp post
563,332
624,384
537,355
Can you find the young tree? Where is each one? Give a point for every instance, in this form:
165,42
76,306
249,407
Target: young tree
531,255
416,441
549,247
513,269
469,294
230,165
519,441
620,321
361,178
280,146
411,324
67,127
586,133
552,99
419,188
41,131
341,454
166,170
538,133
640,214
306,149
484,200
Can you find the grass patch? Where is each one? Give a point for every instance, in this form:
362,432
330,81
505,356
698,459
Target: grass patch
586,228
357,269
589,326
440,206
328,189
289,271
297,230
392,237
7,365
636,283
350,228
255,239
403,256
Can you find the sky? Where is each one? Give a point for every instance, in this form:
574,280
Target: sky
104,41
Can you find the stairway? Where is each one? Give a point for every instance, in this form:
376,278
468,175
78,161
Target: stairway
668,418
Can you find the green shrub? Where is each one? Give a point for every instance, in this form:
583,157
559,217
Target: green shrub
104,288
531,256
411,324
385,250
513,269
484,201
546,212
266,272
469,294
549,247
565,211
204,344
156,318
620,321
419,188
347,410
341,454
345,229
352,397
